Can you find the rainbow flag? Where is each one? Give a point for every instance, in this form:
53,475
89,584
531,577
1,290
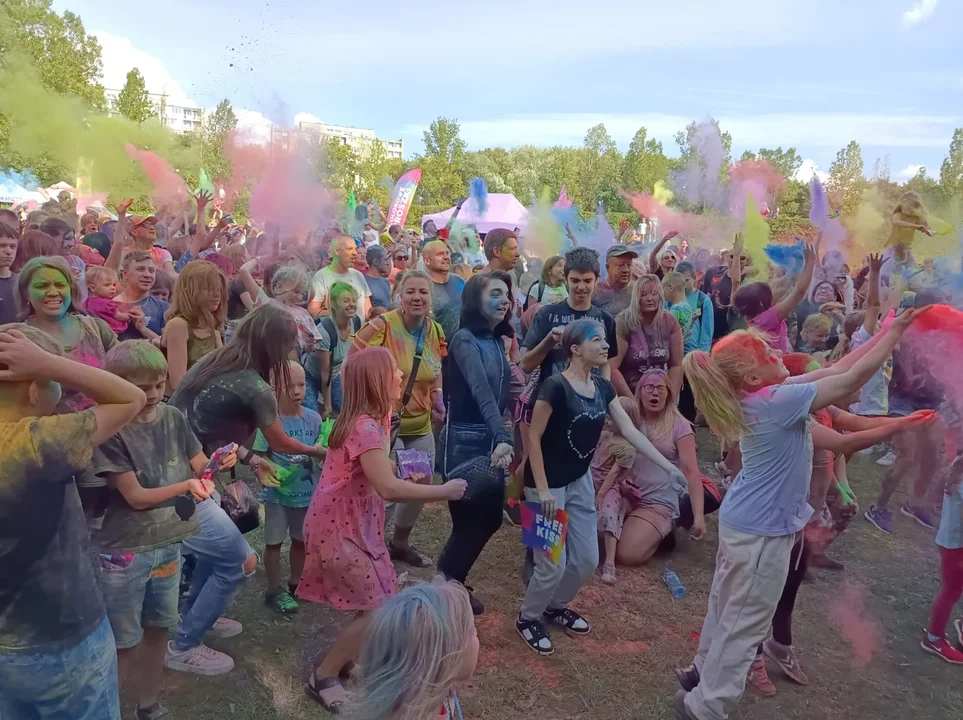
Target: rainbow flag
402,197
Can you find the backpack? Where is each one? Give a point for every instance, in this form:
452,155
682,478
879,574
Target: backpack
528,293
328,327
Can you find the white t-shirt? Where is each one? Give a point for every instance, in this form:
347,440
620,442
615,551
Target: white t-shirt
874,395
326,277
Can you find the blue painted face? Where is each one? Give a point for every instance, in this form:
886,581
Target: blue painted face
495,302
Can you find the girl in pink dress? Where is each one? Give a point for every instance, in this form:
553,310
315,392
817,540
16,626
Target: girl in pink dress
347,564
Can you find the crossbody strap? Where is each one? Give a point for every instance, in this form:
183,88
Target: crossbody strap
415,364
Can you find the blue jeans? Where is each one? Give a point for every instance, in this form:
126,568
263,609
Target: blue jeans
144,594
475,521
220,551
79,683
312,392
336,395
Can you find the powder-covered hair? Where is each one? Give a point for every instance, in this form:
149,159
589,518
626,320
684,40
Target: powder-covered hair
661,427
135,359
633,313
578,332
752,299
197,283
237,256
38,337
53,263
717,380
337,290
413,653
676,279
286,278
816,321
797,363
366,377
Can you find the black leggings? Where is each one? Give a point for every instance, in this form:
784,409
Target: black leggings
472,525
687,401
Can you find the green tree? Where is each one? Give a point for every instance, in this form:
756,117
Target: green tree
684,139
214,131
846,181
598,172
67,58
787,162
442,140
645,163
133,102
951,171
337,165
794,201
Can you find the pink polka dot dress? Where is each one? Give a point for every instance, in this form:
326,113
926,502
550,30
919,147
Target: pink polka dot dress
347,564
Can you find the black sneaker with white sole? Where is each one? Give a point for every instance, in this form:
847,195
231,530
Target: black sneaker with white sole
533,633
569,620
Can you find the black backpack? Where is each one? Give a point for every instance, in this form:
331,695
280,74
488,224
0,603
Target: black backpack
528,295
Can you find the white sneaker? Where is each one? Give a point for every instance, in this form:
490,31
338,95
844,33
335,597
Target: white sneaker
225,628
872,450
200,660
887,459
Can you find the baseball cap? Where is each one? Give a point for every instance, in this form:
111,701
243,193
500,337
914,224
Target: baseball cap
620,251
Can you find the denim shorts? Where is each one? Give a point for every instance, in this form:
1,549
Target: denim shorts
279,520
142,594
79,683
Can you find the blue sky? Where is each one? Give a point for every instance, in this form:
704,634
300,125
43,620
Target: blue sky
813,74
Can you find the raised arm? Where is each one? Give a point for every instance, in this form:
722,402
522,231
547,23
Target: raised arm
833,389
785,306
871,321
454,215
120,237
654,255
825,438
245,273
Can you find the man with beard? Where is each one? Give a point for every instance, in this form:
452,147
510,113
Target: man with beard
146,312
613,294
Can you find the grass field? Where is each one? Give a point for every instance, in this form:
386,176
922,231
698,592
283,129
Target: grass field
857,635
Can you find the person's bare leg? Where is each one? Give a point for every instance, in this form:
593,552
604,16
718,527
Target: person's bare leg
400,537
296,558
930,443
150,666
346,648
904,445
638,542
611,543
126,665
272,566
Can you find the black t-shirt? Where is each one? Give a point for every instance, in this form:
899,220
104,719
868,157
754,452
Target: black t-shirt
561,313
573,429
229,408
235,306
718,286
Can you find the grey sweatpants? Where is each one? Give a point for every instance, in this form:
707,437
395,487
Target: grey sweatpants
405,515
749,577
555,586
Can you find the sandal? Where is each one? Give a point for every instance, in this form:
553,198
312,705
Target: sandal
313,690
408,556
350,672
534,635
571,621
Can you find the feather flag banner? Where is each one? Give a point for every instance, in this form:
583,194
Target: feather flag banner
478,193
402,197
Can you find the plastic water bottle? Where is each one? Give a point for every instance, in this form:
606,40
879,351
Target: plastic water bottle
671,580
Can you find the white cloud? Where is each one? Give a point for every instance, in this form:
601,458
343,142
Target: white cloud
808,170
813,130
120,57
910,171
922,10
254,127
305,117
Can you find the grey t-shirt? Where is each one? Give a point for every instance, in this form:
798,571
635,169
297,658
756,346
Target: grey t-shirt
49,595
380,291
159,453
446,303
228,408
341,347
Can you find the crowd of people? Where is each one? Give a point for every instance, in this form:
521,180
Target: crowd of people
142,358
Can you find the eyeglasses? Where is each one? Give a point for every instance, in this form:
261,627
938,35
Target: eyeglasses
655,388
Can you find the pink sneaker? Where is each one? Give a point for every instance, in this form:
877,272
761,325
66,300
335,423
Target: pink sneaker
759,678
200,660
942,649
225,628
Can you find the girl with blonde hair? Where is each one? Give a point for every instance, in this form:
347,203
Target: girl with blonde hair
195,318
419,646
741,390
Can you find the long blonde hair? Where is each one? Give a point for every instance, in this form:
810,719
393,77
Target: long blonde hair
662,427
413,653
632,314
195,286
718,379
